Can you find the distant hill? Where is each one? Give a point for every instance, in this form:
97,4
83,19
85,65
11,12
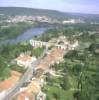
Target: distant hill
12,11
30,11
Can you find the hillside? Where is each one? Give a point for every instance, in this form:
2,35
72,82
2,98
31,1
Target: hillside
12,11
30,11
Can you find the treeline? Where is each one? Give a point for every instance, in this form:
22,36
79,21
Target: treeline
13,11
86,32
12,31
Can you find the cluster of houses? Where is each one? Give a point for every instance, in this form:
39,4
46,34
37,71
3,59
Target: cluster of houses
15,19
72,21
25,60
60,44
32,90
45,19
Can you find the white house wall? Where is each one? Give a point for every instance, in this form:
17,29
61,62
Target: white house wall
35,43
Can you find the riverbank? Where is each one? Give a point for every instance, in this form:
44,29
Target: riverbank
25,36
11,31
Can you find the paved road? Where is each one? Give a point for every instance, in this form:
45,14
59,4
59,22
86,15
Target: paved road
11,92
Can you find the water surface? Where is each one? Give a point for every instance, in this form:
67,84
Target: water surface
27,35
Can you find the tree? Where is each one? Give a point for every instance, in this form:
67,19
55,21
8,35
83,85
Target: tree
4,70
64,83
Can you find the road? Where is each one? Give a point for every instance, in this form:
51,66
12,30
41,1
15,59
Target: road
12,92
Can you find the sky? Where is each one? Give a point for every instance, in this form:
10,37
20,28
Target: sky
79,6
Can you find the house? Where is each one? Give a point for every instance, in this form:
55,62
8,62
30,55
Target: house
25,60
41,96
74,45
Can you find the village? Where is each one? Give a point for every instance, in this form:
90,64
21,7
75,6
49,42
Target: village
44,19
49,50
32,89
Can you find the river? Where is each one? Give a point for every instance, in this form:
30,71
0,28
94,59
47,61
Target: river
25,36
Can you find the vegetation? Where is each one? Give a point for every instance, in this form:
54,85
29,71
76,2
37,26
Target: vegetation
12,11
82,32
9,53
79,70
80,77
4,69
12,31
51,33
36,51
17,68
